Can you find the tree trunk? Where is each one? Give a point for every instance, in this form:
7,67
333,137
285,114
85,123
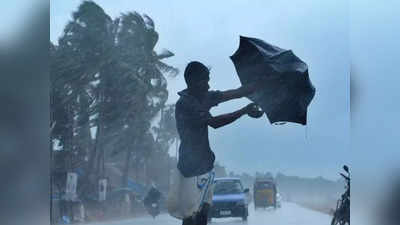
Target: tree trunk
85,136
93,153
91,164
51,180
126,168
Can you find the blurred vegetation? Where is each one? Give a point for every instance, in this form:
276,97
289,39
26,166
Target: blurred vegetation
108,86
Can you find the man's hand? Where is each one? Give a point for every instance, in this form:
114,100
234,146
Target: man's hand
247,109
250,107
253,110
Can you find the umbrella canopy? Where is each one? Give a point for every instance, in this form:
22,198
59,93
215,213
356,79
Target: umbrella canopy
287,92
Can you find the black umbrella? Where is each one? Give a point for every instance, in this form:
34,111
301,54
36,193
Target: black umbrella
287,91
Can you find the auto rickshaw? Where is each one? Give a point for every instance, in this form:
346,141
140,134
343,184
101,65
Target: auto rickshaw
264,193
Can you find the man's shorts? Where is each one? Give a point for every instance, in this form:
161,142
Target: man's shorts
186,195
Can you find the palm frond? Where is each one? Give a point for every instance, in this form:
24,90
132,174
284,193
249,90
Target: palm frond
169,70
164,54
149,22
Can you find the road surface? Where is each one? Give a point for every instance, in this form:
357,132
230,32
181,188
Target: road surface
288,214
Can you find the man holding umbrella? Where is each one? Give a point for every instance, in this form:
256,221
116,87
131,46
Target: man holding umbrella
196,159
275,78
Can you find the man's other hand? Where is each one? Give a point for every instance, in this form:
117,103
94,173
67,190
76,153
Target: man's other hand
253,110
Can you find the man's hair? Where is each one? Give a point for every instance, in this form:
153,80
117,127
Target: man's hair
195,72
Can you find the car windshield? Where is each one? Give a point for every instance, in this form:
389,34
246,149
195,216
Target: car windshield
228,187
264,185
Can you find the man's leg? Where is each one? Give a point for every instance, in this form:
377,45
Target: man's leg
188,221
202,216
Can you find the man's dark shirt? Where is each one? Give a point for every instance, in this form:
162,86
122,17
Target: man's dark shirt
152,196
195,155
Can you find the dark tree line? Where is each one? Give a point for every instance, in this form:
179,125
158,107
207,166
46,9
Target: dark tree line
107,85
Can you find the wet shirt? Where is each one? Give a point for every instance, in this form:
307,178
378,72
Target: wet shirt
195,155
152,196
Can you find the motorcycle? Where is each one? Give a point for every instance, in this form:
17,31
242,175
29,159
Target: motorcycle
153,209
152,202
341,215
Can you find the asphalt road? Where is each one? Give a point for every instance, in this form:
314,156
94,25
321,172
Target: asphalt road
288,214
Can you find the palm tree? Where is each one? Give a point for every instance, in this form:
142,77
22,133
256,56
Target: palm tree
105,74
137,60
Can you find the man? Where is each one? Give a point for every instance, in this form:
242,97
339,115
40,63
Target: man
192,119
153,196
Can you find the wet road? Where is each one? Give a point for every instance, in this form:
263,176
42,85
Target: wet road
288,214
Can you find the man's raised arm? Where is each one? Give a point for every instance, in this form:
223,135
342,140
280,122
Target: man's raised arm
243,91
238,92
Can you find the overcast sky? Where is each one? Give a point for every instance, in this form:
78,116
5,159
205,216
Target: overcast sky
208,31
375,46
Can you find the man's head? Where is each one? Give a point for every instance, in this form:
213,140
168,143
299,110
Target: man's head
197,76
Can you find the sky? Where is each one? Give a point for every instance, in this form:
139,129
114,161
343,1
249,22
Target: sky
375,113
208,31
